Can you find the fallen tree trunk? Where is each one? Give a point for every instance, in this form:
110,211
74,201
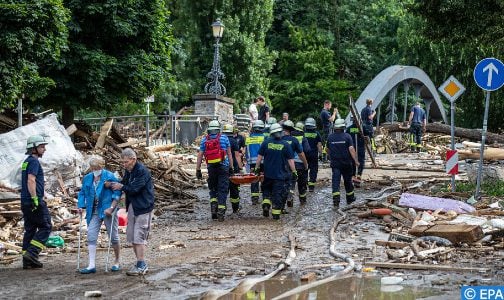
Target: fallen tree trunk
465,133
488,154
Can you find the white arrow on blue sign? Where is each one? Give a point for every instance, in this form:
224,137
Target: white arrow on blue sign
489,74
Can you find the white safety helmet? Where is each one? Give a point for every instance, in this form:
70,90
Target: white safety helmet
299,126
213,127
310,123
339,123
227,128
258,125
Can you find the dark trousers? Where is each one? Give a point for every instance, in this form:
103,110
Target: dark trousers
37,225
341,170
361,156
218,183
416,131
302,181
234,190
254,187
273,192
313,167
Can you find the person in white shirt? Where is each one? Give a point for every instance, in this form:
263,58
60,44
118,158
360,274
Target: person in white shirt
253,111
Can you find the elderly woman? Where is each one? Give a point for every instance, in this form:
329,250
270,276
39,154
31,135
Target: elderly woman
99,202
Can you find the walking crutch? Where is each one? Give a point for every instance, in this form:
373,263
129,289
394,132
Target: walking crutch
78,244
114,213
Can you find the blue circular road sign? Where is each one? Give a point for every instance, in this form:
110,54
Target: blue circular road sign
489,74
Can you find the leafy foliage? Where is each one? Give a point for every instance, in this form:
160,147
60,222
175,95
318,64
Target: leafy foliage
32,34
118,51
245,59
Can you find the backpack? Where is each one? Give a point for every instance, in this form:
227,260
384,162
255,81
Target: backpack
213,152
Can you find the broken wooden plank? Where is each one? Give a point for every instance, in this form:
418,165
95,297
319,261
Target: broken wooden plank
104,132
131,143
455,233
214,238
61,183
387,265
392,244
71,129
433,203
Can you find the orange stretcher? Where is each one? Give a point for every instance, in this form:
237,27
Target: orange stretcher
245,178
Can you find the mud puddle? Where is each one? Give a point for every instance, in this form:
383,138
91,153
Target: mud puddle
364,288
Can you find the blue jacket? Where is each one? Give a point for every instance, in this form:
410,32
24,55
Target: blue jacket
139,189
105,195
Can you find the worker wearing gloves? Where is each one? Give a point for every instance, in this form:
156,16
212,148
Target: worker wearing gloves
100,202
315,142
36,217
358,141
252,144
341,153
278,159
234,189
302,170
217,150
299,159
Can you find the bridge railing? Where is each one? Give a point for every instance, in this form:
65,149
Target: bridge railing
163,129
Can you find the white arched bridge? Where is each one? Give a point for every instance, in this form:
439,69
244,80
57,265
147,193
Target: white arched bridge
389,80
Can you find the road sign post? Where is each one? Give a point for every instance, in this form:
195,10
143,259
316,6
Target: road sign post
148,100
489,76
452,89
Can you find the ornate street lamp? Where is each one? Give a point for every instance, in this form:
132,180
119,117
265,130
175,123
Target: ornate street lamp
214,86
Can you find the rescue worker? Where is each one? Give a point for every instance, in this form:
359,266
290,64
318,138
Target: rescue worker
217,150
302,170
234,189
278,160
270,122
341,152
367,117
252,144
315,142
417,122
299,159
240,140
327,124
36,217
358,141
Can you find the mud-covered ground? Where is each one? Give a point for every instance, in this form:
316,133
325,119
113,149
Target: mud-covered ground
190,254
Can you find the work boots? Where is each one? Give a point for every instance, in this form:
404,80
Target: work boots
350,199
30,261
266,208
302,200
290,199
220,214
336,201
236,207
311,187
213,210
255,200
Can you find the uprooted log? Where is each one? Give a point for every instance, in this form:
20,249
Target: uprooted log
465,133
488,154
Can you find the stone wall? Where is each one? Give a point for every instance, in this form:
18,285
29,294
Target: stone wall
208,104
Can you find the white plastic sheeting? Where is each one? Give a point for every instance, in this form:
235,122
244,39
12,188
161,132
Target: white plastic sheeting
60,153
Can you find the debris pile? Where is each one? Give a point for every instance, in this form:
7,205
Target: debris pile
434,233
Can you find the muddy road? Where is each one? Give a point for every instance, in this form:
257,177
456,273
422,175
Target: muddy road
190,254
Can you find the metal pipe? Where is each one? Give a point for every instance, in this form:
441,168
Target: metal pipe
482,147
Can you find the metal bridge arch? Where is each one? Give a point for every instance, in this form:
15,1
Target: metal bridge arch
387,81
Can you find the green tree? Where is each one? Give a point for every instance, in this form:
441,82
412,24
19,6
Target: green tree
118,51
32,34
442,50
245,59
